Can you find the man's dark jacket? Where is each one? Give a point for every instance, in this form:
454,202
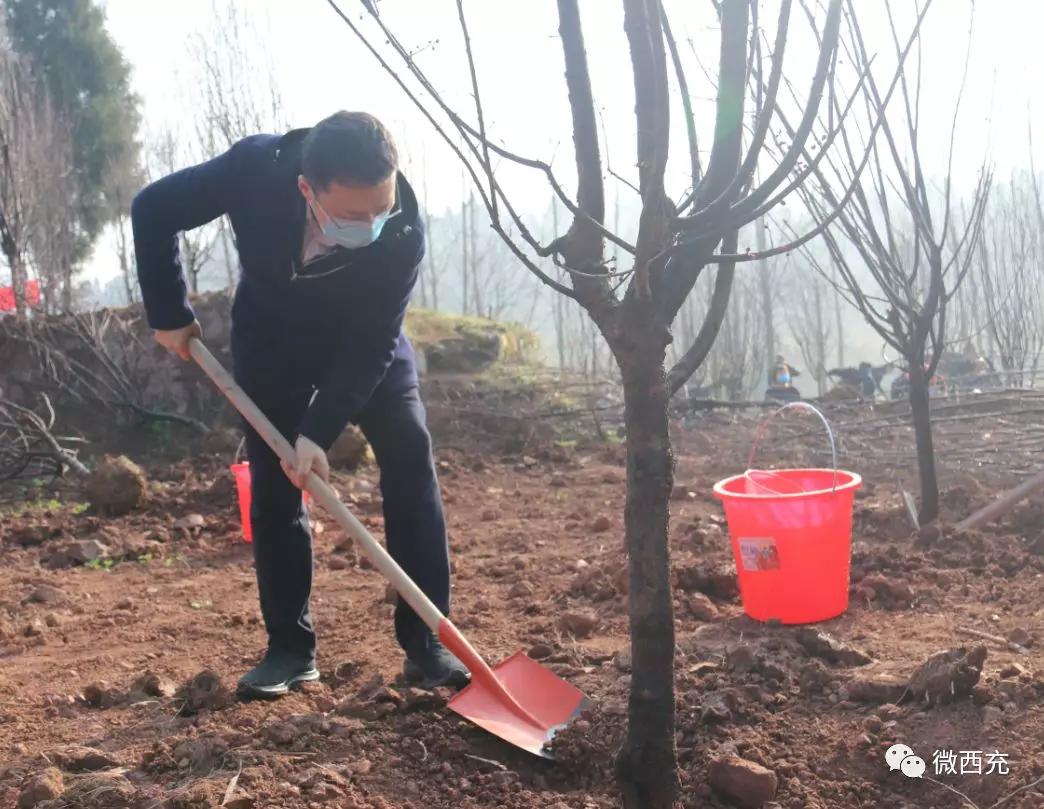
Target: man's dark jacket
340,332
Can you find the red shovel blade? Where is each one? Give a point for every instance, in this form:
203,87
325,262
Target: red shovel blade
518,700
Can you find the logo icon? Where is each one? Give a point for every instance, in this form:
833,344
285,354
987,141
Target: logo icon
913,766
897,754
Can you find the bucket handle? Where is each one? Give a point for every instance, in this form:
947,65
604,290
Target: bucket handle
761,434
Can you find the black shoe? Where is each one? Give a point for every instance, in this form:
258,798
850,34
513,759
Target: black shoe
431,664
276,674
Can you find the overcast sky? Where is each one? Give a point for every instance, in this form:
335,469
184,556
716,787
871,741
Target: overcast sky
321,67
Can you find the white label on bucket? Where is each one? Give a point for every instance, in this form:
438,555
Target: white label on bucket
758,553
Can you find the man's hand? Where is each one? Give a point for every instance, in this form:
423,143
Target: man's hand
310,458
176,341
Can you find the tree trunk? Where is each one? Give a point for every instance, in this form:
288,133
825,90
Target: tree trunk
819,371
191,265
920,414
476,297
67,291
646,766
840,325
464,262
230,269
559,301
765,284
18,279
123,254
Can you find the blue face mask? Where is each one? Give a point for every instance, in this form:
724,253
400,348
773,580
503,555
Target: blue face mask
352,235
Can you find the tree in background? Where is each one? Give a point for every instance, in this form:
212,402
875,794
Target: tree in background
809,316
35,166
999,303
88,82
634,306
236,94
737,363
165,154
900,227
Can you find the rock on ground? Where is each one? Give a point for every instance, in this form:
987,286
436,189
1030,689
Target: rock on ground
826,647
578,624
116,485
76,552
205,691
47,786
745,783
702,608
47,594
101,695
350,450
876,689
152,685
948,676
83,759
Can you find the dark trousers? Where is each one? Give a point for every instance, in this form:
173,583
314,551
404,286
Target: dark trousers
394,424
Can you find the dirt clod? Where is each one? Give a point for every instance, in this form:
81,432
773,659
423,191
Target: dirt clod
83,759
746,783
741,659
152,685
702,608
578,624
204,691
876,689
717,581
521,589
101,695
47,594
77,552
116,485
417,699
814,677
191,523
46,786
948,676
350,451
826,647
1012,670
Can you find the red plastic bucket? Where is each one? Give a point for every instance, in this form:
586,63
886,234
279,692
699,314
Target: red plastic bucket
791,532
241,473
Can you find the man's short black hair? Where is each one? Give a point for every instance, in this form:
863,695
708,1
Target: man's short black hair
351,148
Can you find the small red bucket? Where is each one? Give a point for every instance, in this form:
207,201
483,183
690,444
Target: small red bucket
791,532
241,473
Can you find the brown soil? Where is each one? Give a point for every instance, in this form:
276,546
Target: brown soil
101,655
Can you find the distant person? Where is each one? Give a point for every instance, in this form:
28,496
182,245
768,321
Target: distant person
782,375
867,384
330,238
781,382
864,379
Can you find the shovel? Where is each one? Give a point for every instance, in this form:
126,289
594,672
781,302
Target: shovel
518,700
